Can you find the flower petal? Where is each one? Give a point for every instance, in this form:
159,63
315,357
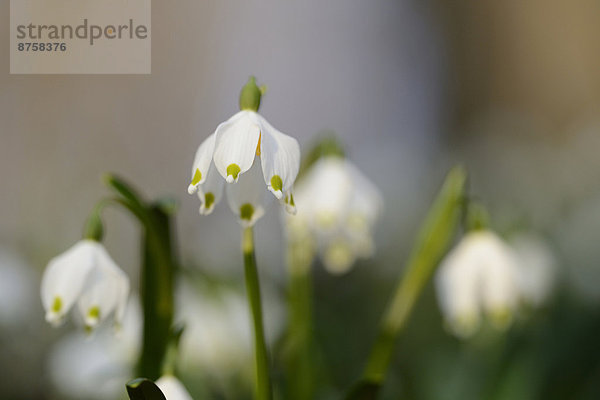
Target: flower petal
106,291
329,188
280,158
65,278
202,161
248,198
366,200
236,144
211,191
172,388
457,285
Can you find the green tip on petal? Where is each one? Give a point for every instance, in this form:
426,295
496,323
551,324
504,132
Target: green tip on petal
57,305
276,183
197,177
209,200
250,95
246,211
233,170
94,312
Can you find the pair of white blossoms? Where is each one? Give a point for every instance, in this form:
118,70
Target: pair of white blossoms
484,275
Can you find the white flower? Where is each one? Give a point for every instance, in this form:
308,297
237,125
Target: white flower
337,209
537,271
172,388
238,146
478,276
85,274
217,340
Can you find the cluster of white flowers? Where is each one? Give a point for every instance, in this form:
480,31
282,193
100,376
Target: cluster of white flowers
483,274
85,275
337,209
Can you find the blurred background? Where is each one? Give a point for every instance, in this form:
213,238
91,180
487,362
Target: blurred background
509,89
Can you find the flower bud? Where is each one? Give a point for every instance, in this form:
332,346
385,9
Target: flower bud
250,95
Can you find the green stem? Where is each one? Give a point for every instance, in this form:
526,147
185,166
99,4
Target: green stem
263,380
156,275
301,373
156,290
434,238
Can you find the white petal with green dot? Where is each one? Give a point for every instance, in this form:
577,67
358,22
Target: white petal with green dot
65,277
235,146
211,191
280,158
248,197
105,293
202,161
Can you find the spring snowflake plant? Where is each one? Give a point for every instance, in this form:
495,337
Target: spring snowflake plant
248,154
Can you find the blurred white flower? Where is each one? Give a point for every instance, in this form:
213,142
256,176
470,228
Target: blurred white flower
337,209
97,367
217,339
243,141
84,274
537,268
172,388
478,276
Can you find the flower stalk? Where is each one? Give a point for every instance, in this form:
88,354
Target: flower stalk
300,345
263,389
156,275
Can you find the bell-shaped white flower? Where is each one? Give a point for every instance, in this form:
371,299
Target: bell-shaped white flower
237,146
478,276
337,210
172,388
85,274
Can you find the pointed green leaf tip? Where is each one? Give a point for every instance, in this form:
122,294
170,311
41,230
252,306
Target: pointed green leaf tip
144,389
233,170
250,95
246,211
276,182
197,177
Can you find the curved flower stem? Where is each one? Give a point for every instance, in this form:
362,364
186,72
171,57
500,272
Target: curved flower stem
156,274
300,360
263,389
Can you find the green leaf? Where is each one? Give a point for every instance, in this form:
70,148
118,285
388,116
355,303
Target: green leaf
144,389
124,189
433,240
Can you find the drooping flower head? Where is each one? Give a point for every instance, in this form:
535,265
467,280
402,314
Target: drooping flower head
86,276
478,277
249,154
337,210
